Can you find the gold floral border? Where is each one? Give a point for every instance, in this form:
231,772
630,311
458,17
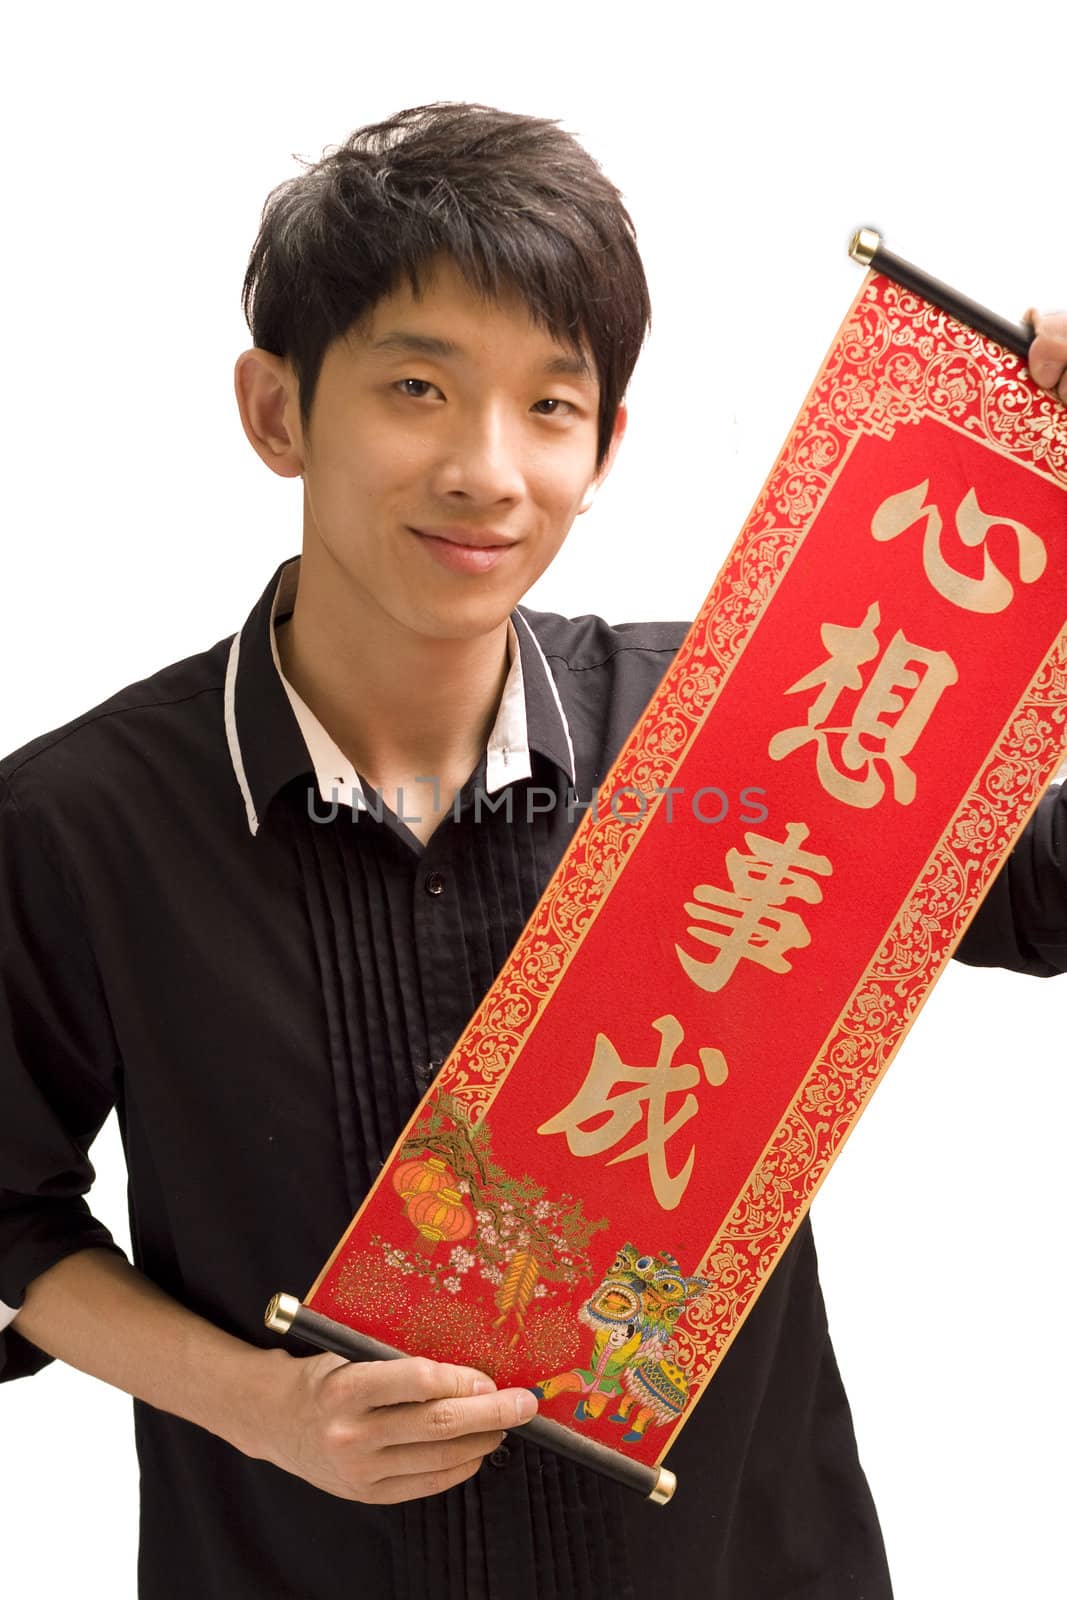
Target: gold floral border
895,360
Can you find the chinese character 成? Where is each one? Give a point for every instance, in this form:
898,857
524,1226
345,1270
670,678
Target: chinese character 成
625,1094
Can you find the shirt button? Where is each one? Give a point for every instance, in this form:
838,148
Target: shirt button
500,1456
435,883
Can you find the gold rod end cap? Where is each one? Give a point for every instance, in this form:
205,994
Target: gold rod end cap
863,244
666,1484
281,1311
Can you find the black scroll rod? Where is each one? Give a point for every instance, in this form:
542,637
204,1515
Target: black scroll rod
285,1314
867,248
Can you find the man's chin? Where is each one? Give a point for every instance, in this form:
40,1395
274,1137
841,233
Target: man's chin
461,629
458,620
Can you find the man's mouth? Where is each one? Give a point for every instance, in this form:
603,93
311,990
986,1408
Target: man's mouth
464,549
467,535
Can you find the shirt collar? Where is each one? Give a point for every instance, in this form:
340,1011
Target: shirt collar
273,735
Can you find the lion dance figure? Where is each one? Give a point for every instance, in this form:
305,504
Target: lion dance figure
632,1314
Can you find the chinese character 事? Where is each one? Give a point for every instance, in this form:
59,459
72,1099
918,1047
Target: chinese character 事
623,1094
749,920
882,727
991,592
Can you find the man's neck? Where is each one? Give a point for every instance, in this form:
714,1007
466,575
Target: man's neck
401,706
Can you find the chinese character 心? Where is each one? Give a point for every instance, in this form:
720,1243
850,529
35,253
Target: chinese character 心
992,591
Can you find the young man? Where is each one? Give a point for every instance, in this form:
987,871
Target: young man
205,923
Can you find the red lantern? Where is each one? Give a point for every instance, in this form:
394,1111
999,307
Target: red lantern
439,1214
421,1175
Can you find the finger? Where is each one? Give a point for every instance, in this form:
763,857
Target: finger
1051,322
452,1418
1046,362
391,1491
418,1460
1061,387
1047,356
372,1384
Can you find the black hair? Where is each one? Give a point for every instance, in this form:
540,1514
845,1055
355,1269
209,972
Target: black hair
515,202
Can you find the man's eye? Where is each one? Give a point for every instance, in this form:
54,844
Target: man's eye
417,388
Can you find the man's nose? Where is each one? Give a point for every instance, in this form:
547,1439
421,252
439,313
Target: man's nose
480,458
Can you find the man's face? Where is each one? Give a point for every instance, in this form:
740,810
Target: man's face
445,459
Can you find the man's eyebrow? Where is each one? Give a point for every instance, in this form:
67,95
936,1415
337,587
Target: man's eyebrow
426,344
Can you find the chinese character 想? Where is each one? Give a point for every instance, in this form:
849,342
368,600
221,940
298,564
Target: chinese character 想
883,724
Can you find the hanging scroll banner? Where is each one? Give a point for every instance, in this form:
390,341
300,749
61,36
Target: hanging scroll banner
639,1113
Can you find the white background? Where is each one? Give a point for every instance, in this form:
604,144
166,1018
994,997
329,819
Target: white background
139,528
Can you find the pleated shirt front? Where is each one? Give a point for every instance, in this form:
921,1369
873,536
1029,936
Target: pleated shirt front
265,986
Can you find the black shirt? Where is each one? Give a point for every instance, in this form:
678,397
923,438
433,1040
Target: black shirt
265,992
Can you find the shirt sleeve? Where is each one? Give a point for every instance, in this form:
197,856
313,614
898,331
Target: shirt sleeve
1022,922
58,1072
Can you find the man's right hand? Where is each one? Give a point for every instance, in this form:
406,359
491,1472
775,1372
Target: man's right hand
377,1431
382,1431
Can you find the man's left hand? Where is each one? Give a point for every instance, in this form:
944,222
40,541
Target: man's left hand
1047,360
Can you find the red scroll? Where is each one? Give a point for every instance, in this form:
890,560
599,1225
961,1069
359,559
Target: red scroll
642,1108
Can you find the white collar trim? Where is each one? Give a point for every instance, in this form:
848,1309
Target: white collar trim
507,757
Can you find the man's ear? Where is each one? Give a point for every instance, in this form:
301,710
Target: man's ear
267,398
621,417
